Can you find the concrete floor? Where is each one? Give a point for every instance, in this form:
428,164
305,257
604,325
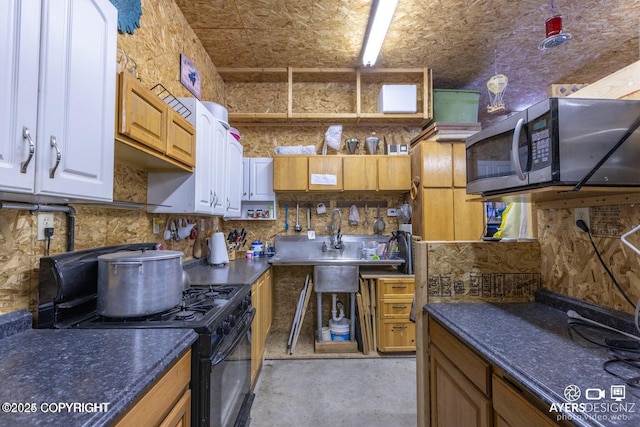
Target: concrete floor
336,392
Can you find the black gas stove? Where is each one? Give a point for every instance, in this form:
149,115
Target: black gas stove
220,314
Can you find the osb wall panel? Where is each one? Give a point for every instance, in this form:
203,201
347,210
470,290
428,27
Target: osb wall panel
156,46
256,97
479,271
324,98
570,265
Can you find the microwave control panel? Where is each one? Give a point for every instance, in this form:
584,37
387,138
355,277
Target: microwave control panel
540,144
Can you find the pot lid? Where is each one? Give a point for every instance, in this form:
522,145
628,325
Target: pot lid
145,255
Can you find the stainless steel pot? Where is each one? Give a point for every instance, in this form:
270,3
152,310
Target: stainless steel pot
139,283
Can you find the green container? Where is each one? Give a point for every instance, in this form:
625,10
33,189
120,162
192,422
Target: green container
452,105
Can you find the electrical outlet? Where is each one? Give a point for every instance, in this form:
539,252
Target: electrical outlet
45,220
583,214
157,222
392,212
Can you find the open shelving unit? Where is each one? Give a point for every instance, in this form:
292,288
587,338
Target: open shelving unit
299,95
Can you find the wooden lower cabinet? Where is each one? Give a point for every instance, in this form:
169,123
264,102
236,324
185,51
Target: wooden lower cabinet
455,401
262,301
466,390
167,403
396,333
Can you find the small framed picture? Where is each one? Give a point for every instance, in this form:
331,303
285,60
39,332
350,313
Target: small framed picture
189,76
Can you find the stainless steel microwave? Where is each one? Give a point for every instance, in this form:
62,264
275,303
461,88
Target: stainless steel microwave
560,141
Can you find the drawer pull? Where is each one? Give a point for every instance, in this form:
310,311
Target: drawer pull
399,287
400,327
399,307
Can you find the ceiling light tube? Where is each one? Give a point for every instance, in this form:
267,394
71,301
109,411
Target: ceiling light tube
378,27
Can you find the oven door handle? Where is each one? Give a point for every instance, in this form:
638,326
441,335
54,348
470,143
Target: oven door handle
225,349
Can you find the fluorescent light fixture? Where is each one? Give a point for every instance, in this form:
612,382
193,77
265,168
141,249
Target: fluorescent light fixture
378,27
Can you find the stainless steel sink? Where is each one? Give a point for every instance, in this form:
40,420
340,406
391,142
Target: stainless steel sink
335,278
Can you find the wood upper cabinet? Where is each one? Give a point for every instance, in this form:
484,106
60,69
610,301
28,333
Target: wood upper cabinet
146,123
360,172
459,153
290,173
325,173
394,173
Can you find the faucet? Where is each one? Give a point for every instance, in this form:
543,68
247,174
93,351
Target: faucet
336,238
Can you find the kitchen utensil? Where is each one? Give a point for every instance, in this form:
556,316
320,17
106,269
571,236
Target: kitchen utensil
286,217
218,254
167,231
218,111
378,225
352,144
372,143
311,233
139,283
297,227
174,232
354,215
185,228
197,244
404,213
365,223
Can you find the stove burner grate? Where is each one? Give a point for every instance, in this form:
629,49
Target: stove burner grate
185,315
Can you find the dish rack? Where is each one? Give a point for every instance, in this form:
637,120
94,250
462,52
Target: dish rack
164,94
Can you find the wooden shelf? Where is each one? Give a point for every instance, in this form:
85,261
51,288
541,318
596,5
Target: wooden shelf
351,89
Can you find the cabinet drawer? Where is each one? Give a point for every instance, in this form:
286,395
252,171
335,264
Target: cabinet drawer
514,409
398,336
394,288
396,309
472,365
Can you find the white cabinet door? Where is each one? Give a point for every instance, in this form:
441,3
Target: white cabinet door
218,165
74,102
261,179
19,47
246,167
204,123
234,177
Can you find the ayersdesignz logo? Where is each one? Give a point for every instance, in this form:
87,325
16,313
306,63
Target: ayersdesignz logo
594,403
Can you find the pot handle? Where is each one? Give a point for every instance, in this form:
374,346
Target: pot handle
124,263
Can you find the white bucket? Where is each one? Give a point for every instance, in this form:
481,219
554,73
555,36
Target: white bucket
339,330
326,334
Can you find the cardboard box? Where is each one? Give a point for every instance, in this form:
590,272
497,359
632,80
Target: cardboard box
397,99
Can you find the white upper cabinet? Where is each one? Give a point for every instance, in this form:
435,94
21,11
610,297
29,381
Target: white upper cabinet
57,115
234,177
258,179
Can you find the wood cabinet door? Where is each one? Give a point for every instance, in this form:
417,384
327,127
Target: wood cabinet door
437,161
181,139
394,173
459,151
513,409
143,117
468,217
454,400
324,169
360,173
290,173
234,177
437,214
180,415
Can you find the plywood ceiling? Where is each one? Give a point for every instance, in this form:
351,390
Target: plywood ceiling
457,39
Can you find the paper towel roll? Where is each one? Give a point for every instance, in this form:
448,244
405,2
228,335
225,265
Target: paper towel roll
218,250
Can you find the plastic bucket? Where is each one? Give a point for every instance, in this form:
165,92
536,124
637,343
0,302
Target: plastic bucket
339,330
326,334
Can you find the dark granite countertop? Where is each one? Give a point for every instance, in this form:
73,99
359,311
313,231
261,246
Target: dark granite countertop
532,344
238,272
44,369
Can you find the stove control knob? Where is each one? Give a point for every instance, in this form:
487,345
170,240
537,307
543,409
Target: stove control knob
232,320
224,329
246,302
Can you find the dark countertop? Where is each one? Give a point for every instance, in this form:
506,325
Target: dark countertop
532,344
239,272
46,367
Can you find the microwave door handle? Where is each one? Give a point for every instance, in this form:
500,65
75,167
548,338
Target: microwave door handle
514,150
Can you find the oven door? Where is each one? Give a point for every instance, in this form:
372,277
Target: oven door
231,375
498,157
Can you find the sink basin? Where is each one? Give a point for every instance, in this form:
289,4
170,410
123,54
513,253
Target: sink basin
335,278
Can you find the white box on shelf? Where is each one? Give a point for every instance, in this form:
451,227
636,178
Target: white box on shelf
397,99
